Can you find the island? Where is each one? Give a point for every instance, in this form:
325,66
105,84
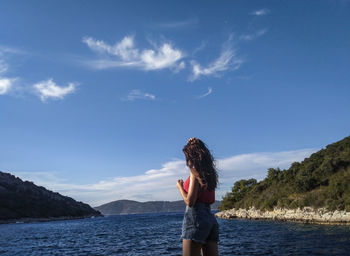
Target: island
316,190
23,201
133,207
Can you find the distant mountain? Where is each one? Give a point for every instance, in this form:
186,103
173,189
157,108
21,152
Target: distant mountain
133,207
22,199
320,181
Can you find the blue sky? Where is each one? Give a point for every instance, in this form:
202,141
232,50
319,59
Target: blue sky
97,98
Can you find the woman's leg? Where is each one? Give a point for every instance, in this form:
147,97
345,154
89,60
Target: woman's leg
210,249
191,248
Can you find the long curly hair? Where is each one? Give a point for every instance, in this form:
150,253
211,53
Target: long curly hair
201,162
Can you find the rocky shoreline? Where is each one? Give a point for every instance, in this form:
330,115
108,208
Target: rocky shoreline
304,215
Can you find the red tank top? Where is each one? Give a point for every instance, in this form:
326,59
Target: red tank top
204,196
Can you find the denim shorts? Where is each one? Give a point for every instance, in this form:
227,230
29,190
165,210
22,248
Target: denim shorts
199,224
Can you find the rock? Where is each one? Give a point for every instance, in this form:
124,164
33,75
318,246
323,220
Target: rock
306,215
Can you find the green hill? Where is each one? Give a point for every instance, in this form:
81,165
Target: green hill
23,199
322,180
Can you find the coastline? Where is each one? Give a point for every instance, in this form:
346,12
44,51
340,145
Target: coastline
304,215
33,220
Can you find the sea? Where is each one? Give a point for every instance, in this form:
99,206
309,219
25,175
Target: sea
159,234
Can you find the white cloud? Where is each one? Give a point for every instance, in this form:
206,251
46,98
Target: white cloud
45,89
139,95
5,85
210,90
163,57
125,49
153,184
160,184
228,60
249,37
261,12
125,54
48,89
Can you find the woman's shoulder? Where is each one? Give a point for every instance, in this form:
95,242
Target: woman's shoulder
193,177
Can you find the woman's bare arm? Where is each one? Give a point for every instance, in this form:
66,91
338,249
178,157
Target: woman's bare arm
190,197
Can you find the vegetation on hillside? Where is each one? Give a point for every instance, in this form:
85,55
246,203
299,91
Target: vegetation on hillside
23,199
322,180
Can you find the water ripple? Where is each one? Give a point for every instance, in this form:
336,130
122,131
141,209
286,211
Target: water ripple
159,234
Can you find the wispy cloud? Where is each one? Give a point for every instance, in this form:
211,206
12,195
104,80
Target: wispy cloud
210,90
125,54
11,50
179,67
249,37
199,48
139,95
228,60
3,67
48,89
177,24
159,184
261,12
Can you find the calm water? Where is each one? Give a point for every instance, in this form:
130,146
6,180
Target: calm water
158,234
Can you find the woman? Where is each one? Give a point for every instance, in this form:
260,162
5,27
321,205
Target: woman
200,230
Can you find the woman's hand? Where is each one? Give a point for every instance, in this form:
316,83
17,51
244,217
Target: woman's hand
180,184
